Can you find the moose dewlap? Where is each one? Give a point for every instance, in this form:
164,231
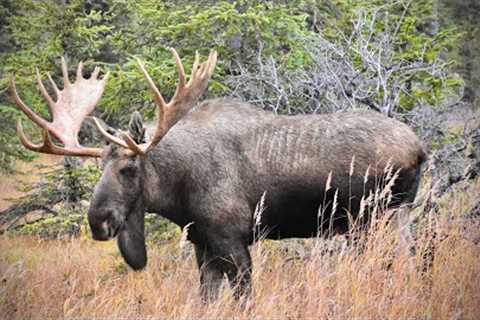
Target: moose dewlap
208,167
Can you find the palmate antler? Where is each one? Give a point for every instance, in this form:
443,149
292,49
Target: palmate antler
73,104
170,113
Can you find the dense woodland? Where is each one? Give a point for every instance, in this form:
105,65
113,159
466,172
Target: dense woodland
416,61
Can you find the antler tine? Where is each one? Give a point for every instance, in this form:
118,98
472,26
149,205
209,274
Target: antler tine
157,95
126,143
80,71
66,81
111,138
132,145
44,92
54,86
207,69
47,147
196,63
212,62
181,70
28,112
26,143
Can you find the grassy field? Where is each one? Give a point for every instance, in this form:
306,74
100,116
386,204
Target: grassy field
318,280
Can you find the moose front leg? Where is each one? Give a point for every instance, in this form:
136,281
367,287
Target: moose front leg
211,274
234,260
230,259
239,271
226,236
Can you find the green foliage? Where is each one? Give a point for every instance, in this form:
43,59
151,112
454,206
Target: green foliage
10,150
57,203
448,137
58,183
68,223
158,229
236,33
85,178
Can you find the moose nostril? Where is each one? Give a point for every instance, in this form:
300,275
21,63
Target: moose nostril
99,224
109,215
100,232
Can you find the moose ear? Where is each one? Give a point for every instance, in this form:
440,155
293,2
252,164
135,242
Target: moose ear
136,129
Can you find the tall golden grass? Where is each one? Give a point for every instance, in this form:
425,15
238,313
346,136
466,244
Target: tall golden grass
324,280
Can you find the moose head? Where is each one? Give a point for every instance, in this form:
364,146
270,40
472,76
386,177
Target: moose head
118,204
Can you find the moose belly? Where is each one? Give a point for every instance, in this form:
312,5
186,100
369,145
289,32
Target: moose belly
303,213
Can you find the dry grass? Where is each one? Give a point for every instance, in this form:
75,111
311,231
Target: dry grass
83,278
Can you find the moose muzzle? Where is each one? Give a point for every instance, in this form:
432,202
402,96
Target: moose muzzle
104,225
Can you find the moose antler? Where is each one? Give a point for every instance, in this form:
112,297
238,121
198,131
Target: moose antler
72,105
170,113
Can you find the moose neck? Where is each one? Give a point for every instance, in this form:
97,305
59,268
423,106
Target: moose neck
163,187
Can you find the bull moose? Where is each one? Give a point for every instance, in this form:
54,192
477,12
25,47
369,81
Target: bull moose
208,166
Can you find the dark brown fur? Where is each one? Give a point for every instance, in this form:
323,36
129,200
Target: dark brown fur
212,168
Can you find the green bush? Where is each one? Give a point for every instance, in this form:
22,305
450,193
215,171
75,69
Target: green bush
159,229
67,223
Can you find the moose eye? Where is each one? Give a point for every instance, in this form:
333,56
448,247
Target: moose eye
129,171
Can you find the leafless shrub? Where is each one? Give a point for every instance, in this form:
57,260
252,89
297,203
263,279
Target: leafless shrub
360,68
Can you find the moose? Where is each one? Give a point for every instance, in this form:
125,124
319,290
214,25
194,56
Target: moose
207,166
